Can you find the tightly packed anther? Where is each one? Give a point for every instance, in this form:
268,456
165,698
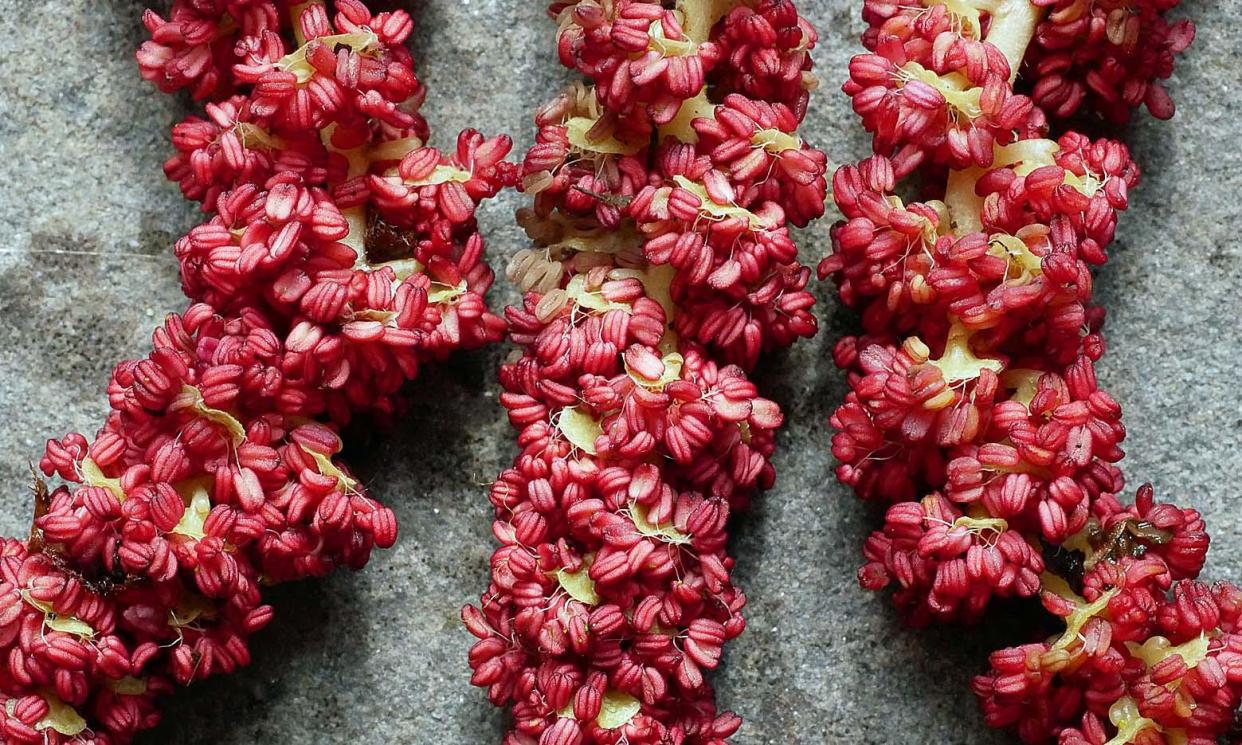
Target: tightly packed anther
339,254
663,268
974,409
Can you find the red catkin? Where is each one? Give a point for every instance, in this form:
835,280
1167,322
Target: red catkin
974,410
338,255
663,269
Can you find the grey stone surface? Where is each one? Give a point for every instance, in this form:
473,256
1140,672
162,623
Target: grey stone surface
86,271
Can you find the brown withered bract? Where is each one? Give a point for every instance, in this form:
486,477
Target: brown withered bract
1129,537
387,242
42,500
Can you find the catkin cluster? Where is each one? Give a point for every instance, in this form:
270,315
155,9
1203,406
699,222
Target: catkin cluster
339,254
974,411
664,187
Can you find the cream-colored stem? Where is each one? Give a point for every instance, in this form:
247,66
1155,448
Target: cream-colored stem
965,207
357,219
692,108
698,17
295,13
357,158
359,163
1012,28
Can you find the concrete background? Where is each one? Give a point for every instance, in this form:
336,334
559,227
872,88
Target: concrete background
86,271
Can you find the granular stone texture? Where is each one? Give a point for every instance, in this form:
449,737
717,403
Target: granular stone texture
86,270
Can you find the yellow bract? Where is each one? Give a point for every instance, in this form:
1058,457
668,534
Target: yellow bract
196,494
403,269
1157,649
191,608
129,686
1083,611
966,12
579,584
72,626
52,620
958,362
93,476
296,62
236,431
443,293
962,97
60,717
673,362
356,238
666,46
617,710
441,174
253,136
394,149
929,231
775,141
976,524
596,240
657,282
580,428
1018,254
1024,156
346,484
681,126
371,314
711,209
577,291
1024,383
699,16
577,129
1129,722
667,533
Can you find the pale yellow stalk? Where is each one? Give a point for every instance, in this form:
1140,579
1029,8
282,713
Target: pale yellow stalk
1012,27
